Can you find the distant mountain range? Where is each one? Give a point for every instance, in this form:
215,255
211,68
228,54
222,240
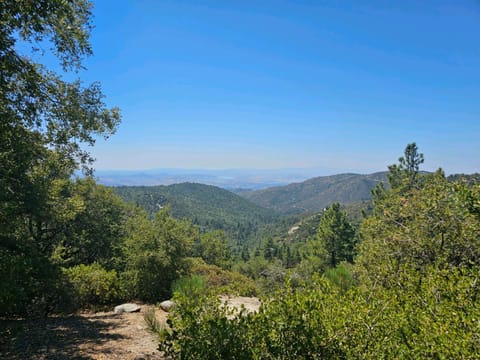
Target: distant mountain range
317,193
247,179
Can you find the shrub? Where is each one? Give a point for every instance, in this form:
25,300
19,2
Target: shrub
341,276
189,286
32,286
93,285
433,319
199,328
224,281
293,325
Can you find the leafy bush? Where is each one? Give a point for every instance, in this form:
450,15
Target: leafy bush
93,285
188,286
289,326
199,328
341,276
32,286
224,281
437,318
154,254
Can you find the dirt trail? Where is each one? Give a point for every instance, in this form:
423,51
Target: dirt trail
83,336
89,336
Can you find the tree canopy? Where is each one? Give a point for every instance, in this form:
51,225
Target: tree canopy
45,123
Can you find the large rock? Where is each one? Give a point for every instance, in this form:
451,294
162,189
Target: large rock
167,305
128,308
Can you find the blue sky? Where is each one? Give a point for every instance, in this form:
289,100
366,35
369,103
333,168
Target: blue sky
334,85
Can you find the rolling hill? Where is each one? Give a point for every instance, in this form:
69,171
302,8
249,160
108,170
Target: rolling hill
316,193
207,206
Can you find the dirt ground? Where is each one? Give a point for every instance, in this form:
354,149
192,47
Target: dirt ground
89,336
104,335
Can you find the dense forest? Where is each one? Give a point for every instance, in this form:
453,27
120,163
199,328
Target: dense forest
317,193
394,274
208,207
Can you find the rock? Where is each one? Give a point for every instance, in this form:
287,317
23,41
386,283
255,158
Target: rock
126,308
167,305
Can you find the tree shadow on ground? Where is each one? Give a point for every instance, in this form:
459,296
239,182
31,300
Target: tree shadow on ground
53,337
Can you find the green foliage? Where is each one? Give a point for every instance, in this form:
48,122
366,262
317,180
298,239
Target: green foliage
209,207
213,248
432,224
155,325
470,179
341,276
268,274
224,281
32,286
154,254
336,235
436,318
199,328
406,172
45,123
189,286
93,285
94,232
289,326
293,325
48,109
432,318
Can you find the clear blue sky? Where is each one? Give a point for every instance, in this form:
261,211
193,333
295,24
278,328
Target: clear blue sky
334,85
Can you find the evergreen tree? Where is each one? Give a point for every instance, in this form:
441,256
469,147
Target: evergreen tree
405,173
336,235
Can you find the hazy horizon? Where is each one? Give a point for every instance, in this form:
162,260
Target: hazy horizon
225,178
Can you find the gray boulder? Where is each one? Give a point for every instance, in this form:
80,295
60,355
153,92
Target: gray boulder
167,305
128,308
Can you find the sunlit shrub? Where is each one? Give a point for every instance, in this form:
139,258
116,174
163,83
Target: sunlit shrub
224,281
93,285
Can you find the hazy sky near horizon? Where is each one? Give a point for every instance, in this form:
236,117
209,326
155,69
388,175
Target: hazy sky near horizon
333,85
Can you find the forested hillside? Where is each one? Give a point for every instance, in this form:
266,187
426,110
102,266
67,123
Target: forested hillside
209,207
317,193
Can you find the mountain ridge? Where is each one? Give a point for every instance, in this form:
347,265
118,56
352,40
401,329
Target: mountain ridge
210,207
316,193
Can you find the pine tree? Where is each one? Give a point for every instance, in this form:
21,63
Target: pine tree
336,235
